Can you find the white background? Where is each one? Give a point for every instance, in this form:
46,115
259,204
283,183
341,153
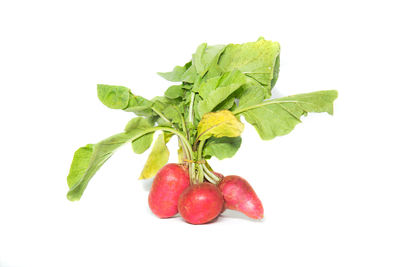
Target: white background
330,189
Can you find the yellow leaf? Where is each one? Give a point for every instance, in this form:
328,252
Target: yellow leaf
158,157
219,124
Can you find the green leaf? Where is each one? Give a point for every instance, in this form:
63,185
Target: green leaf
219,124
255,59
209,85
279,116
79,164
190,75
206,56
176,75
139,105
174,91
115,97
143,143
168,108
138,125
78,179
224,147
227,103
120,97
276,71
157,159
197,58
162,122
227,84
87,160
250,94
210,59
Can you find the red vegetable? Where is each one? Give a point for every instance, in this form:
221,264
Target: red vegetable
168,184
200,203
239,195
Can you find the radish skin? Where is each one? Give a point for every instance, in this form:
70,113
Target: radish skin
239,195
200,203
167,186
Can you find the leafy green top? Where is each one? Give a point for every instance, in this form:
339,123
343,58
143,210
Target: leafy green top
216,87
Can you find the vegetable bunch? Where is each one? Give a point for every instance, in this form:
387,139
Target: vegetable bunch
218,86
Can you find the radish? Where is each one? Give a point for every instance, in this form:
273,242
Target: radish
168,184
203,110
200,203
239,195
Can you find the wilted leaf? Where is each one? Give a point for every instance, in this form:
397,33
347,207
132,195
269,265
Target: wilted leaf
157,159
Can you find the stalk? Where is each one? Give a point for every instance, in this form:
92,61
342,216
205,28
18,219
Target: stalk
183,125
199,152
192,165
210,175
211,180
191,107
205,172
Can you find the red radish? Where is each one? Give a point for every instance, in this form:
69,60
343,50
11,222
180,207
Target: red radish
221,176
168,184
200,203
240,196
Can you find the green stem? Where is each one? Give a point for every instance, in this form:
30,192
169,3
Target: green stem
184,148
192,166
199,152
200,149
188,151
210,174
183,124
192,173
200,174
211,180
191,107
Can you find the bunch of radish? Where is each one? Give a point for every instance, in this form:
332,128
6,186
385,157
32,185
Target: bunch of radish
219,85
171,192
